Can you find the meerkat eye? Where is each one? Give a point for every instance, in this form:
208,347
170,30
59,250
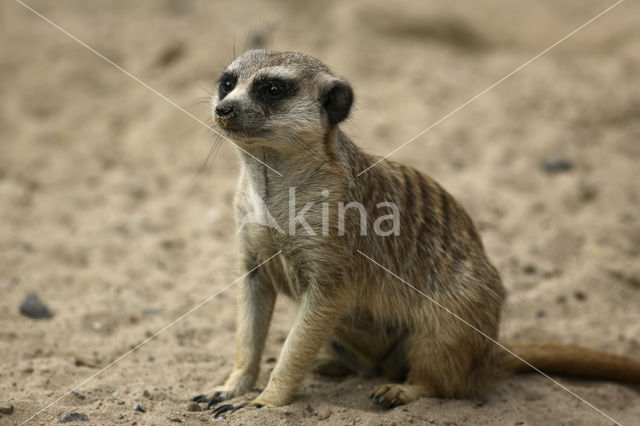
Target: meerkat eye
226,84
270,90
275,89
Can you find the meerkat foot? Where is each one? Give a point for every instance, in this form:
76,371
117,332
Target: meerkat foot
216,395
393,395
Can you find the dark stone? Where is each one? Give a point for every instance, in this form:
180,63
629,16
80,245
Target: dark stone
78,394
557,165
33,307
73,416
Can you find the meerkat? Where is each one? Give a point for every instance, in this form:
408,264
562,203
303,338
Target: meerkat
283,109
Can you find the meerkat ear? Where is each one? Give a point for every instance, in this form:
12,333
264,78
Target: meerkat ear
337,99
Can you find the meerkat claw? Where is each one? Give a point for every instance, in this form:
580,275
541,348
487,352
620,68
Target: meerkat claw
218,411
213,401
217,397
232,408
199,398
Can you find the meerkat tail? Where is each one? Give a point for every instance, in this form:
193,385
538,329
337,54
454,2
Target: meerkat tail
569,360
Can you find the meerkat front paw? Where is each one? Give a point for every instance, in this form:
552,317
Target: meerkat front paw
217,394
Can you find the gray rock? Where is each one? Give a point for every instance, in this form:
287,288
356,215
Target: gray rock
78,393
33,307
6,408
73,416
150,311
139,407
557,165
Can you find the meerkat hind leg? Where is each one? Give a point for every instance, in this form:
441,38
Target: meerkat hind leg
394,394
426,368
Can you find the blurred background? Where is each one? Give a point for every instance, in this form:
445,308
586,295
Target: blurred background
115,211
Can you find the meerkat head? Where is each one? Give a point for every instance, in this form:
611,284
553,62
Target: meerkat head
271,99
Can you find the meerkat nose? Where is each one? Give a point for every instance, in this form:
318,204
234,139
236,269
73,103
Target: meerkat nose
225,110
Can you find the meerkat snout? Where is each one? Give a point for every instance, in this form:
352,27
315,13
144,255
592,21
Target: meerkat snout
226,112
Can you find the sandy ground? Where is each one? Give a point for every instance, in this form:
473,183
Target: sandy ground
106,212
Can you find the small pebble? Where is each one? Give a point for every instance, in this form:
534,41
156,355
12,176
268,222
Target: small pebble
139,407
6,408
580,295
587,190
146,394
78,394
194,406
73,416
324,414
33,307
557,165
541,313
151,311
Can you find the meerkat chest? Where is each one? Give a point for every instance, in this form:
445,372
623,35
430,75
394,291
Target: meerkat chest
290,206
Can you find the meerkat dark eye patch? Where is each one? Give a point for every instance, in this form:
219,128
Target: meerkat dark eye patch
271,90
226,84
337,100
